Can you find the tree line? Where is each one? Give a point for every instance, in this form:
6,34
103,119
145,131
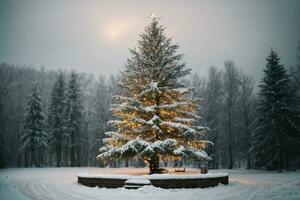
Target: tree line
252,127
58,118
52,118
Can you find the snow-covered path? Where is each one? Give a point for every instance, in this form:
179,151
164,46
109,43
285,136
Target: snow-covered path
61,183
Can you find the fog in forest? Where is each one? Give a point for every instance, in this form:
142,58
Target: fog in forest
61,63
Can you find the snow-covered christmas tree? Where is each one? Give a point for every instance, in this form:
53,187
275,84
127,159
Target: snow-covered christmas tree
155,112
74,120
34,138
56,118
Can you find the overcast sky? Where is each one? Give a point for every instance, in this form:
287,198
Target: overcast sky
94,36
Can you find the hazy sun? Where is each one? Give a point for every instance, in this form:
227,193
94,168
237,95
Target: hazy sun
116,31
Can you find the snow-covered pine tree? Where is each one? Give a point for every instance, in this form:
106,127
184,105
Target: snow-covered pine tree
155,114
294,155
74,118
276,130
295,75
34,138
56,118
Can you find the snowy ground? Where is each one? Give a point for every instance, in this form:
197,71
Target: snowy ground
61,183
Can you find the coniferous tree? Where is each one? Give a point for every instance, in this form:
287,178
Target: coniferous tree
295,93
3,93
34,138
56,119
155,113
295,76
74,118
277,122
2,138
231,90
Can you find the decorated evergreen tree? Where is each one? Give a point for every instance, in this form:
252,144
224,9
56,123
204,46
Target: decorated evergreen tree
277,122
56,119
155,112
34,138
74,118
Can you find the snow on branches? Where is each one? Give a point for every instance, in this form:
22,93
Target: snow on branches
146,149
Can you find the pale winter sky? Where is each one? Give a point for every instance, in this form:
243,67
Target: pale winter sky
94,36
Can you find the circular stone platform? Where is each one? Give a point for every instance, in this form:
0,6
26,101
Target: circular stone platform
157,180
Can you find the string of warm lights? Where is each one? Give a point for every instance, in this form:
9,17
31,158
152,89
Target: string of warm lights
156,114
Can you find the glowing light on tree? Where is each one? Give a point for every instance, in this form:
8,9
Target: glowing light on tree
155,112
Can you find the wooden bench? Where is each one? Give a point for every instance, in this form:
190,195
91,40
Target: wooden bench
180,170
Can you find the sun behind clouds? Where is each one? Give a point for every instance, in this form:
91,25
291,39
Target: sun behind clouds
117,30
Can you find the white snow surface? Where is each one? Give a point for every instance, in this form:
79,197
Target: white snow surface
154,176
61,183
138,181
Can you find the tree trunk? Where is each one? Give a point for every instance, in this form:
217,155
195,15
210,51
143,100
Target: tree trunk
217,162
58,154
154,164
230,153
281,161
66,155
1,151
72,152
280,149
230,166
248,161
42,155
26,159
126,162
78,155
38,158
33,159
